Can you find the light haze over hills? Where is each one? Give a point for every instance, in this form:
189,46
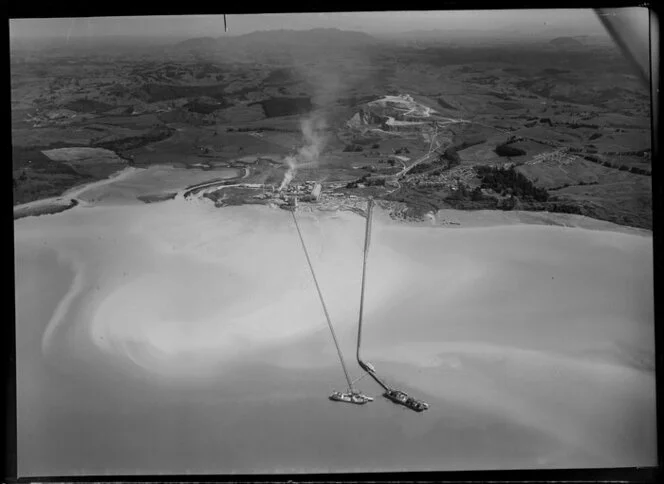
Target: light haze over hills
524,22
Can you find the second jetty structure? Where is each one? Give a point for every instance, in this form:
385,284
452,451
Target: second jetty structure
397,396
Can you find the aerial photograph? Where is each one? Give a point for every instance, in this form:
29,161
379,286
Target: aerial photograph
346,242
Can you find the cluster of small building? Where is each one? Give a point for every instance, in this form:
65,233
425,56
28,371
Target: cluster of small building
448,179
47,118
308,191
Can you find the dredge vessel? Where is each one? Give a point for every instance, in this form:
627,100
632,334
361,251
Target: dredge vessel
351,395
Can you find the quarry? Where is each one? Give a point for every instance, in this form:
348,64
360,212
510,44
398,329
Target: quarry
311,173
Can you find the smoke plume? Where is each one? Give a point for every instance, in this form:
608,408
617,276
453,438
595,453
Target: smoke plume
289,174
327,81
313,133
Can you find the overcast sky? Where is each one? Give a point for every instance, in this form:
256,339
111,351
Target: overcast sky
581,21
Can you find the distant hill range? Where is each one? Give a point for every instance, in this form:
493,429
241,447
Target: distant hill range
457,34
314,38
566,42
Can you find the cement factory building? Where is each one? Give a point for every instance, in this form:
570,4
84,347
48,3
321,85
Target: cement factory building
315,193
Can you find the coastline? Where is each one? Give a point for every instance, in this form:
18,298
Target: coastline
69,198
45,207
456,219
444,218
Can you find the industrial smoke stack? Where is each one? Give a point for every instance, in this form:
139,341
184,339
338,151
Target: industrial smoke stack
287,179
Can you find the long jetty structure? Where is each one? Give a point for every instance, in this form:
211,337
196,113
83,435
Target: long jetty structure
367,241
395,395
320,295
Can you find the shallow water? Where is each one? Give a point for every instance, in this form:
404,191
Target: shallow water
191,340
155,180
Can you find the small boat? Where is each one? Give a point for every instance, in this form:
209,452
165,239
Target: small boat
396,396
350,397
404,399
416,405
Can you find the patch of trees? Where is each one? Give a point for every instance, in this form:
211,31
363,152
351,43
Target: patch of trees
353,148
355,100
402,150
259,129
509,181
466,199
451,156
422,200
205,108
468,141
155,134
594,136
366,141
419,200
642,153
421,168
553,71
508,106
584,125
444,104
564,207
581,183
368,180
285,106
242,92
444,162
609,94
604,162
507,150
88,106
596,159
463,198
185,117
165,92
639,171
461,193
375,181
